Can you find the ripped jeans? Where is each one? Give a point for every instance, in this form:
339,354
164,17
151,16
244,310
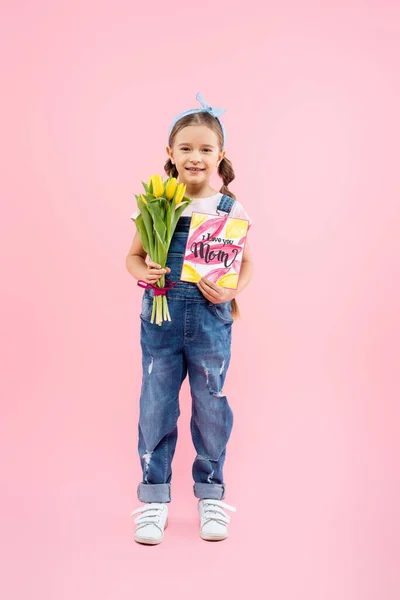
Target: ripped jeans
197,342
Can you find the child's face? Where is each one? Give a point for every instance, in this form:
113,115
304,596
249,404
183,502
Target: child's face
195,146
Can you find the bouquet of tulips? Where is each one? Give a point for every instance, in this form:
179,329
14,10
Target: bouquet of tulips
160,208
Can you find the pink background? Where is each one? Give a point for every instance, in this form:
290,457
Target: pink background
312,95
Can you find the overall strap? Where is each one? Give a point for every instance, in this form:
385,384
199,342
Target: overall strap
225,204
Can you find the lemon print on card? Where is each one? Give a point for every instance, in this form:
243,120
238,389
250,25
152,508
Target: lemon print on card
197,219
229,281
189,273
236,228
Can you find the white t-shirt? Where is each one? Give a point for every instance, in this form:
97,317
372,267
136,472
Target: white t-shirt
209,206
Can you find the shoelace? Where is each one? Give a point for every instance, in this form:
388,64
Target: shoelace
151,513
213,511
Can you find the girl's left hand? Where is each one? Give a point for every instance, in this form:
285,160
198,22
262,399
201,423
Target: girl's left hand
214,292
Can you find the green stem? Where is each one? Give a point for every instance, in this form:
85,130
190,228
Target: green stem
160,319
160,283
166,304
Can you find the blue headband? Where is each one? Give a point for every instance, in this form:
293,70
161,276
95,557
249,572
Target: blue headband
215,112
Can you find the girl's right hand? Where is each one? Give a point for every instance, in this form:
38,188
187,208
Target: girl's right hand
154,272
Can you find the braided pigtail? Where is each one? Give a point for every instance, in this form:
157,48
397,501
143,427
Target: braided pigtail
227,174
171,169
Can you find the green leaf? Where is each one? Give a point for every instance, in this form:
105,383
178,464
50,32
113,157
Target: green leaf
164,207
143,234
146,187
170,212
162,252
148,223
158,223
177,215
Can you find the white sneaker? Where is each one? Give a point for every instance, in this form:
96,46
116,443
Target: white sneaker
151,523
213,519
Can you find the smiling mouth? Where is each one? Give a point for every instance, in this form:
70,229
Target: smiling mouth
195,170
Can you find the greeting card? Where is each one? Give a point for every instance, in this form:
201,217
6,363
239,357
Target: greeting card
214,249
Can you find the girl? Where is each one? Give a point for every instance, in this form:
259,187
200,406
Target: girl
196,341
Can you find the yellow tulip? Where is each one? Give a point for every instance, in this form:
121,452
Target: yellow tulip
158,186
180,192
171,188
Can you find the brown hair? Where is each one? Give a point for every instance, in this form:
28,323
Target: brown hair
225,169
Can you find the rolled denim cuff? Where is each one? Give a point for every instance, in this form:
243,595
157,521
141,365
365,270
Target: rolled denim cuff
214,491
154,492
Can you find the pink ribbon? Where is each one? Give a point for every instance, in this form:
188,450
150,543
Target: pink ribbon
157,290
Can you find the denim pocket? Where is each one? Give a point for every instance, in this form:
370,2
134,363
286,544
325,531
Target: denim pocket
147,307
223,311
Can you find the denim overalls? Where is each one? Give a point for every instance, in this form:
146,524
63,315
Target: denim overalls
197,341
